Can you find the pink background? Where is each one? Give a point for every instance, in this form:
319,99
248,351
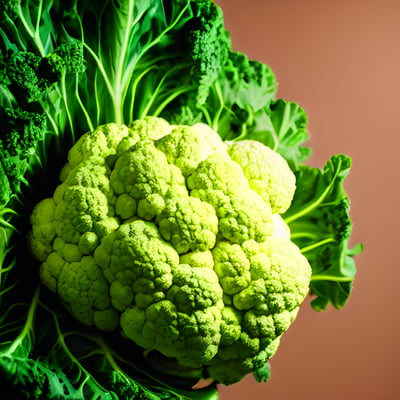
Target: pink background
340,60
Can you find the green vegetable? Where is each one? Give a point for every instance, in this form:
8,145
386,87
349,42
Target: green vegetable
156,230
72,69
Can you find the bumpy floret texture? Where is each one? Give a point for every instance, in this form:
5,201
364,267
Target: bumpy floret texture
174,237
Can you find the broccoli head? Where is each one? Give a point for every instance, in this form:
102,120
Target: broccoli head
174,237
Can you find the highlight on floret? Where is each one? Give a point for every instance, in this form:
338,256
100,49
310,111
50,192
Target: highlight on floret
174,237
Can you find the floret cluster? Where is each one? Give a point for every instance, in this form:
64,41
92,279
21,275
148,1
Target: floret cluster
174,237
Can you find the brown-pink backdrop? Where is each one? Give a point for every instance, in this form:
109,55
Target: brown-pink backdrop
341,61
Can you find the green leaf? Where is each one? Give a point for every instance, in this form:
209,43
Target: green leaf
321,226
280,125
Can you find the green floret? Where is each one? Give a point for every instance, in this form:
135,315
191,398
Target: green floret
135,257
43,229
143,173
203,259
188,224
217,172
187,146
221,182
101,142
83,209
185,326
232,267
149,128
83,288
172,236
268,173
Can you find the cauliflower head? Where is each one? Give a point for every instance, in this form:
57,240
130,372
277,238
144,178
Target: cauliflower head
174,237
